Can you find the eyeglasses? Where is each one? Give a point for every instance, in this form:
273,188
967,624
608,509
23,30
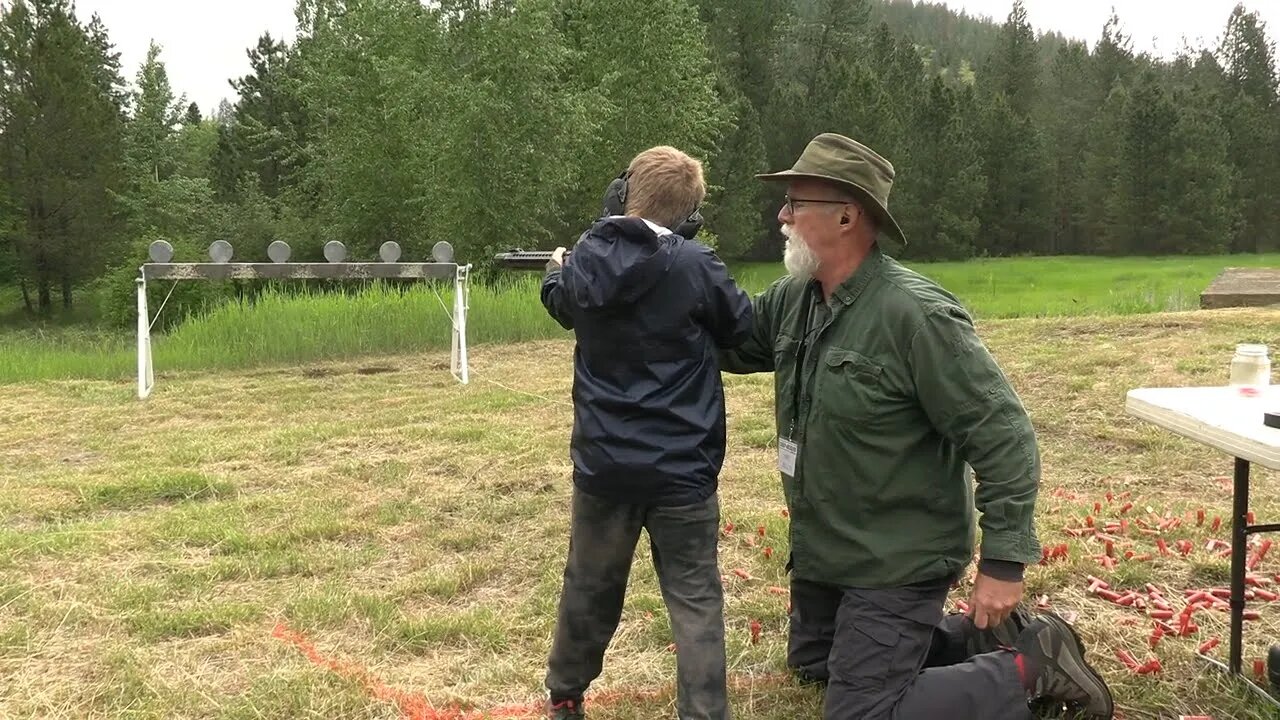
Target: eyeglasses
791,202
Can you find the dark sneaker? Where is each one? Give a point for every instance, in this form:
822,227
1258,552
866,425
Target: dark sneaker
1055,654
805,678
1004,635
565,710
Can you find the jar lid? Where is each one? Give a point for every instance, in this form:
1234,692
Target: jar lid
1252,349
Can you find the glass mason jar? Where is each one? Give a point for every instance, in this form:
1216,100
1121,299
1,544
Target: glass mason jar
1251,367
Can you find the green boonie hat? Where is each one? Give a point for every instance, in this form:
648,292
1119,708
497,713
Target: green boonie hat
854,167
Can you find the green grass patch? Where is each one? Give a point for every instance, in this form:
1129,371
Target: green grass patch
154,623
15,638
135,692
284,326
304,692
1210,571
50,540
323,559
1066,285
451,581
395,512
334,605
159,488
478,628
464,537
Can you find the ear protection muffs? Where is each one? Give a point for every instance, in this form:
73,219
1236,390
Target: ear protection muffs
615,196
690,227
615,203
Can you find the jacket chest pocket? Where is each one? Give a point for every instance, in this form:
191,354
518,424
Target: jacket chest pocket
853,385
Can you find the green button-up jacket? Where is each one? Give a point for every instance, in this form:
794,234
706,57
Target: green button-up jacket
889,393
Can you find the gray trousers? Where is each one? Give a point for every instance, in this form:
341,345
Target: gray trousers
602,544
891,655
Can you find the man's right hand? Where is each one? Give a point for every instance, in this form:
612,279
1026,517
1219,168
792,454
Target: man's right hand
557,256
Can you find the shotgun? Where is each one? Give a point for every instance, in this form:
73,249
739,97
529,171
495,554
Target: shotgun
524,259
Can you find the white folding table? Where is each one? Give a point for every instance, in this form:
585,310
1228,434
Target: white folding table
1226,419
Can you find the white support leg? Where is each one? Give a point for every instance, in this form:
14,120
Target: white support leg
146,374
461,302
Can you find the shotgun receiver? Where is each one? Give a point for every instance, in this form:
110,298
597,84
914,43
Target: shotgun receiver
524,259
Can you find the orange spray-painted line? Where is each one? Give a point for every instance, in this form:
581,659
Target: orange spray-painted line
415,706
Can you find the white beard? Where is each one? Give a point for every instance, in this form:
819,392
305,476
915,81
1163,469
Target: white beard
799,258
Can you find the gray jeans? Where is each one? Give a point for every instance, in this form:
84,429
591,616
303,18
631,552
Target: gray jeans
602,544
891,655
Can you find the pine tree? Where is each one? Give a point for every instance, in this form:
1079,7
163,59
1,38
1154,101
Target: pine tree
737,209
887,119
61,147
163,201
819,60
1204,211
951,184
743,37
457,124
1249,57
271,127
1102,168
1113,59
156,115
1012,68
226,164
1141,208
1016,216
1250,113
1065,120
1016,213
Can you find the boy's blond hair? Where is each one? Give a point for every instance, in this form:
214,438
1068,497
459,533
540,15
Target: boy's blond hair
664,186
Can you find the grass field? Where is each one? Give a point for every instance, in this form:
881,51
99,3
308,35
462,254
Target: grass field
1068,286
282,328
372,540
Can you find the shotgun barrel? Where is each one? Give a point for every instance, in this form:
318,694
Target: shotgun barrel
523,259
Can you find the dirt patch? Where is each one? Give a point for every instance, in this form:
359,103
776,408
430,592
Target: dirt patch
376,370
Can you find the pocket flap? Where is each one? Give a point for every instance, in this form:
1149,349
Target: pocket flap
883,634
855,362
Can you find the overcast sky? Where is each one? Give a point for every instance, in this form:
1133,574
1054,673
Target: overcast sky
204,43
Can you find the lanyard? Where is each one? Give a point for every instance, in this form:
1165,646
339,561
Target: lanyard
801,352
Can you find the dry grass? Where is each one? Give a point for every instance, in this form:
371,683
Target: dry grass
416,528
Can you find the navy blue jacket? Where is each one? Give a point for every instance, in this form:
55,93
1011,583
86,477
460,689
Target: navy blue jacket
649,309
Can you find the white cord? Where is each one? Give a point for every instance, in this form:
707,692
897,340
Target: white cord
166,302
473,372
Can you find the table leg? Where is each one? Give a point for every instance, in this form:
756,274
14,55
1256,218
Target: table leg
1239,547
1240,530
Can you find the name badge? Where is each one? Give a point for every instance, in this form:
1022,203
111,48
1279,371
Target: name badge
787,452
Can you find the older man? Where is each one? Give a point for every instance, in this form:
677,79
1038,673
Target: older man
885,397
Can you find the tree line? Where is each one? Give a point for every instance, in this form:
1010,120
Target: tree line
497,123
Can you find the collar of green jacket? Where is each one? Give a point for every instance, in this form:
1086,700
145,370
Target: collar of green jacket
849,290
